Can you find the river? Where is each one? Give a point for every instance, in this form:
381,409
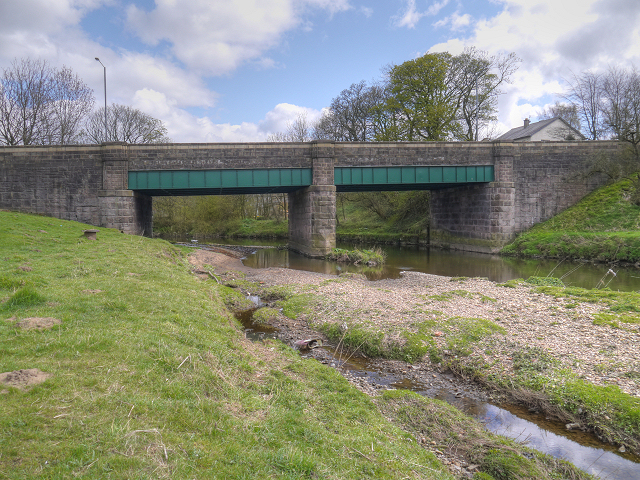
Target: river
459,264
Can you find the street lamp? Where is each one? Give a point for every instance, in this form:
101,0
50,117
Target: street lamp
105,98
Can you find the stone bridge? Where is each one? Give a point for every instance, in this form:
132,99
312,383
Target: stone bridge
483,193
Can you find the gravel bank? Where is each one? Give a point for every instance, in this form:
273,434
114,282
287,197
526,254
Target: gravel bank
563,328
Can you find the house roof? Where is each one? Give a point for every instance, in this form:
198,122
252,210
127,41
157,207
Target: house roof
533,128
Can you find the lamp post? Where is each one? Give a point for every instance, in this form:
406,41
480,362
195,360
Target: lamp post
105,98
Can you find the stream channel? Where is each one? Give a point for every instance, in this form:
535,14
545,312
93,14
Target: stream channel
583,449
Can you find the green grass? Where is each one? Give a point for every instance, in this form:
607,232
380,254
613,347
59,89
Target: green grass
603,226
151,375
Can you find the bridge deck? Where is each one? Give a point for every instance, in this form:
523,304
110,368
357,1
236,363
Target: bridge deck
283,180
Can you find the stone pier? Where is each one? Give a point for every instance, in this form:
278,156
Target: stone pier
312,210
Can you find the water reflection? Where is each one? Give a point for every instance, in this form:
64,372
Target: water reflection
582,449
457,264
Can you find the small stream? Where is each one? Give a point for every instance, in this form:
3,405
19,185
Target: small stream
583,449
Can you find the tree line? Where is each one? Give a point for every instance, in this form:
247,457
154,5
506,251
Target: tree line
435,97
44,105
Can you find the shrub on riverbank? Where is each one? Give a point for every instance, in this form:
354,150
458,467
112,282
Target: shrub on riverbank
604,226
357,256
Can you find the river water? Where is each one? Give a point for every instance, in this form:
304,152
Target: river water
459,264
582,449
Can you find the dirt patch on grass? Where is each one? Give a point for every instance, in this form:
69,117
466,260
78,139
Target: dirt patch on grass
38,323
220,263
23,378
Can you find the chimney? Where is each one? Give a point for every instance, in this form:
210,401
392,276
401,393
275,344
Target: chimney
526,122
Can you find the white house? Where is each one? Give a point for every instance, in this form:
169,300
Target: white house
552,129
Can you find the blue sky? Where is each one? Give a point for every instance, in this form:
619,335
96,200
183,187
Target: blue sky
238,70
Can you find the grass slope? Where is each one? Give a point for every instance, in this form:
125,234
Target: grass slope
151,378
603,226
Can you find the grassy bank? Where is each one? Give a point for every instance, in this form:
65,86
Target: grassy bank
604,226
357,257
148,375
151,377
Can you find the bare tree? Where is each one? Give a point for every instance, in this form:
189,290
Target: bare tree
621,106
474,80
26,90
566,111
298,130
585,92
351,115
40,104
72,100
124,124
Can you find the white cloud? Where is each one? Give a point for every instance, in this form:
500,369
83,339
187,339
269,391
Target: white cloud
455,21
333,6
553,38
366,11
217,37
435,8
44,16
410,17
183,127
277,120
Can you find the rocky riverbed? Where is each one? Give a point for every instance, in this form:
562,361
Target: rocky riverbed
562,328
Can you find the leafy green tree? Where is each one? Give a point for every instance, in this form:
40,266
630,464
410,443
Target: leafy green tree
351,115
418,107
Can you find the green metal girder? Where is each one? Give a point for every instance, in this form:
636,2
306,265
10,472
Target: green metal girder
221,182
407,175
281,180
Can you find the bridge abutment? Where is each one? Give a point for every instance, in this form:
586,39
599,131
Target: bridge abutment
479,217
121,208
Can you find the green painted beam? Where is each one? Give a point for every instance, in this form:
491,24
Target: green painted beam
220,182
422,175
282,180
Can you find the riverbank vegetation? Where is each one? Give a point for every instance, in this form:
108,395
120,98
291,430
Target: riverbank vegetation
373,217
604,226
357,257
150,376
146,374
